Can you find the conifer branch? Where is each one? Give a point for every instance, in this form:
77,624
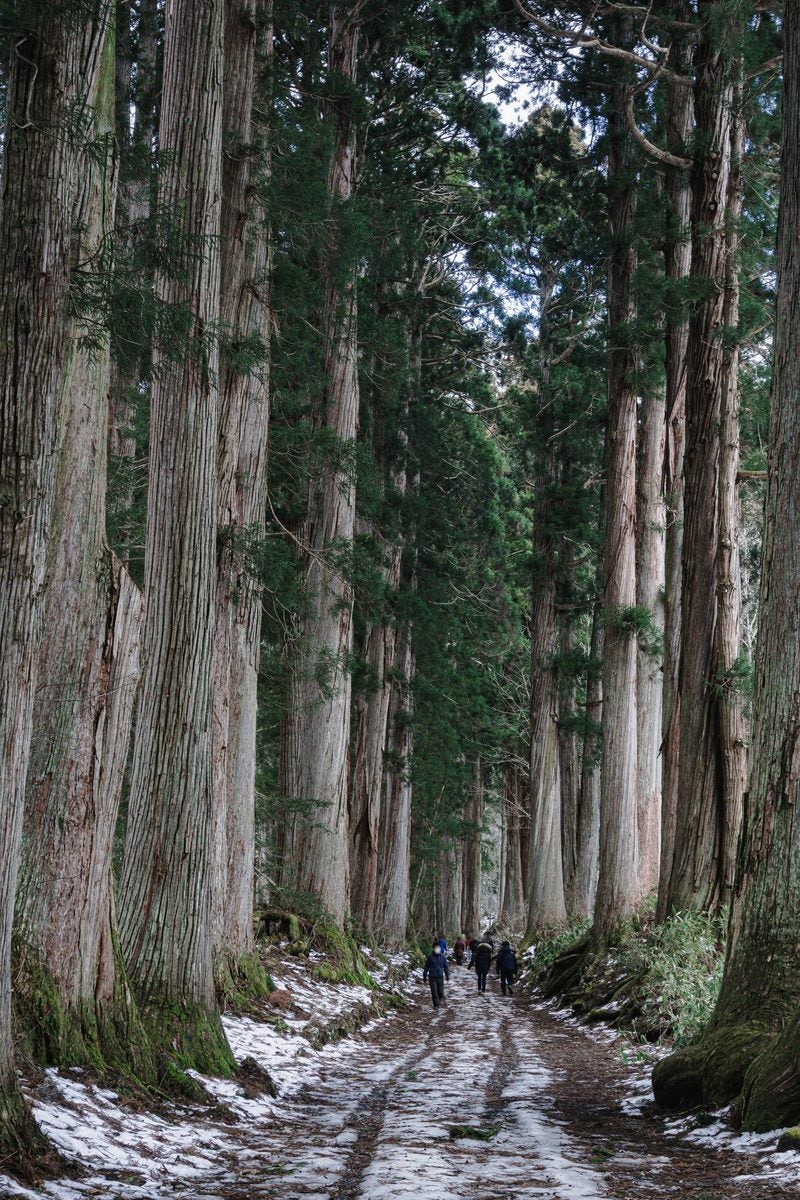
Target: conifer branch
586,41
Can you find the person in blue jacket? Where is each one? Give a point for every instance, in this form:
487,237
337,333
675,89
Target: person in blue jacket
435,972
506,966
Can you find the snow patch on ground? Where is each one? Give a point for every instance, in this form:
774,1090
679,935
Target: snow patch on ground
138,1155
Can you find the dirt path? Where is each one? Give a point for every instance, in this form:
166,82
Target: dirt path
489,1098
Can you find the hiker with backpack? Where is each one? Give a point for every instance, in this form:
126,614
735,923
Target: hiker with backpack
482,961
435,972
506,966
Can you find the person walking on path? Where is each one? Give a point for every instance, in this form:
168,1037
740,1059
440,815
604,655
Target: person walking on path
435,972
459,949
482,961
506,965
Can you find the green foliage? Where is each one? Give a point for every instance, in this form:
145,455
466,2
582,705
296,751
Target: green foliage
684,959
637,621
737,679
548,951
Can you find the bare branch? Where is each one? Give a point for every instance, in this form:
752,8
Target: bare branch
662,156
580,38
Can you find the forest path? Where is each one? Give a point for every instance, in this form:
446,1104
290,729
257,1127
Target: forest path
390,1118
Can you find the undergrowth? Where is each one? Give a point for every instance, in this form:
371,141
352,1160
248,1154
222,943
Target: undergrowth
658,982
685,958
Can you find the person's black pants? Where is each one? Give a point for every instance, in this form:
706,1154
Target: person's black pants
437,989
507,981
481,979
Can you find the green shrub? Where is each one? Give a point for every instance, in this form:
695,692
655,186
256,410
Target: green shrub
684,958
548,951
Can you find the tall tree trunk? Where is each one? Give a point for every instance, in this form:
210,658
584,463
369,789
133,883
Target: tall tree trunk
580,899
471,877
136,95
317,731
733,725
512,905
165,894
82,714
569,775
370,749
546,906
751,1046
450,888
616,886
650,529
52,71
391,917
241,500
709,800
677,264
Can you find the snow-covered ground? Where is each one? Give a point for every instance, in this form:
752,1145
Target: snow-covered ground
783,1167
460,1104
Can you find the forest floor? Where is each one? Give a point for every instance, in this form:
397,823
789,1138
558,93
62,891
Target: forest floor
493,1097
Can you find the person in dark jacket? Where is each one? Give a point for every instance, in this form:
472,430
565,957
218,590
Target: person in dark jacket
460,949
482,961
435,972
506,966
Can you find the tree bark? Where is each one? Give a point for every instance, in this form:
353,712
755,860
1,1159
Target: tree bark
471,876
751,1046
616,885
709,799
372,715
52,71
165,894
546,905
569,775
391,917
650,529
136,97
317,731
450,888
71,994
241,498
512,905
580,899
677,264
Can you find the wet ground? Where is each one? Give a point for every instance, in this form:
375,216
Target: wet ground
492,1098
489,1098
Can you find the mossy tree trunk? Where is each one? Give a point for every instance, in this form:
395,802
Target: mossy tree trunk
677,264
241,481
165,893
709,794
616,884
317,730
752,1045
54,62
71,997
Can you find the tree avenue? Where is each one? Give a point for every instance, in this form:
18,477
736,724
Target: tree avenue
384,391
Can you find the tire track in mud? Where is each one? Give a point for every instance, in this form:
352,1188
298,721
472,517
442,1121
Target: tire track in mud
368,1129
